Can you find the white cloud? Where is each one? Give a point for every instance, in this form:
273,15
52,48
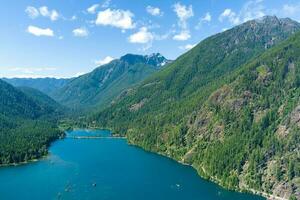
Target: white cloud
32,76
116,18
92,9
224,29
291,9
154,11
28,72
206,18
40,31
32,12
143,36
80,32
182,36
230,15
106,4
74,17
251,10
183,13
187,47
52,14
79,74
104,61
32,70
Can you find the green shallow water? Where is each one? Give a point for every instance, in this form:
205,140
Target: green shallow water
107,169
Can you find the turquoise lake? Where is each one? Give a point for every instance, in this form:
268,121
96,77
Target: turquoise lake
107,169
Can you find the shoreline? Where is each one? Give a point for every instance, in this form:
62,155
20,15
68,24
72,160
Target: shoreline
212,179
24,162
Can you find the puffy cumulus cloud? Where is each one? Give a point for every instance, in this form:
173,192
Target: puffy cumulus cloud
146,37
182,36
80,32
183,12
230,15
187,46
104,61
251,10
52,14
32,12
154,11
92,9
143,36
122,19
40,31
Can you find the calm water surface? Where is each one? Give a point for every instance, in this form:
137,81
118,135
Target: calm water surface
107,169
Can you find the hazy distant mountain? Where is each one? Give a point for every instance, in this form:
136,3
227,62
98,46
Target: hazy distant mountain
46,102
45,85
100,86
229,107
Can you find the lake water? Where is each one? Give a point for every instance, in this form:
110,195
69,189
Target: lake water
107,169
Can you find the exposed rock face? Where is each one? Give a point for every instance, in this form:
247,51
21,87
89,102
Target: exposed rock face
137,106
295,116
100,87
219,107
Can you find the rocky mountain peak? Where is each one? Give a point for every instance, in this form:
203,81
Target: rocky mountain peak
155,59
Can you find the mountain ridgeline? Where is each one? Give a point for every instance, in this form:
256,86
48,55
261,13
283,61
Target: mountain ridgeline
45,85
28,123
99,87
229,107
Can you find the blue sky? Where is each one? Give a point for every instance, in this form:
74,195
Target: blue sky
65,38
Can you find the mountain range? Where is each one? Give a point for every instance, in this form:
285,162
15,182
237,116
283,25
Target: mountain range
45,85
229,107
226,107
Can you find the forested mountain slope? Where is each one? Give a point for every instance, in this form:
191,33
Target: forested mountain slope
48,104
224,108
100,86
27,125
45,85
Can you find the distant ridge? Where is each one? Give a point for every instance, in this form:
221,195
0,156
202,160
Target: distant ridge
99,87
45,85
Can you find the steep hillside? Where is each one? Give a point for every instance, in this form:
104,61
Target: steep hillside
47,103
45,85
16,103
247,134
27,125
219,107
104,83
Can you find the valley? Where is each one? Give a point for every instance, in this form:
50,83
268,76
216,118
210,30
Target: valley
229,107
